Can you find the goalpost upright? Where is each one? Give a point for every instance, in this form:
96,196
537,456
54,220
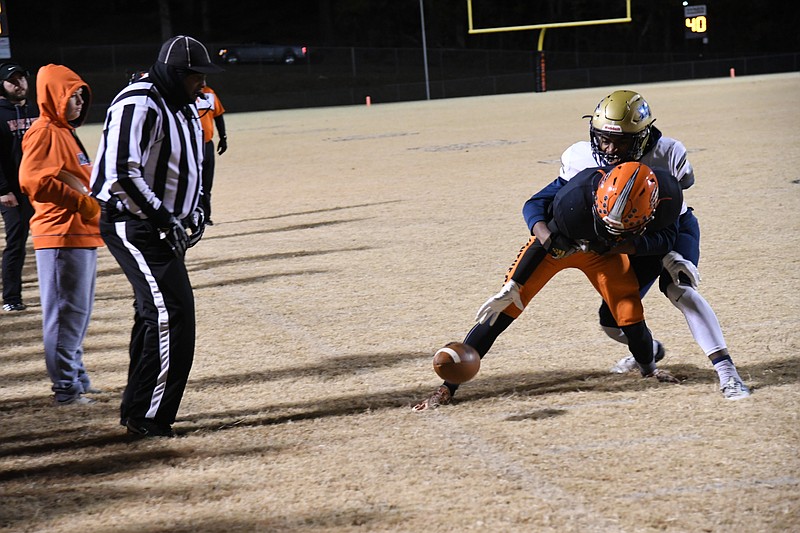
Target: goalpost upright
541,84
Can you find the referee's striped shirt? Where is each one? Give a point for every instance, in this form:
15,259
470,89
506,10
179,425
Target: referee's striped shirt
150,158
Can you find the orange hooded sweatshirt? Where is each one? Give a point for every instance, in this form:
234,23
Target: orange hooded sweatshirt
50,146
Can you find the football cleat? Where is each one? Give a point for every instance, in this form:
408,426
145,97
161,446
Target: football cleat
441,396
146,428
629,364
734,389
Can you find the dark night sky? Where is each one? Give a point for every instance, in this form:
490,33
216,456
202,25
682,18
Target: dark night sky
737,27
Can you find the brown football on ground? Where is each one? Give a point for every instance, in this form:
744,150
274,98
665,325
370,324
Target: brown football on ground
456,362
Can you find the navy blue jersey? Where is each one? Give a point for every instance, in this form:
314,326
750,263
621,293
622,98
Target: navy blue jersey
567,207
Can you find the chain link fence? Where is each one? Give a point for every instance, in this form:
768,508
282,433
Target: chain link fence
348,75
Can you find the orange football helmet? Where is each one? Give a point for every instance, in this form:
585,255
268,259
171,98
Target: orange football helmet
626,198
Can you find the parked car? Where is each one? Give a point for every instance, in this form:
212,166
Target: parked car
264,53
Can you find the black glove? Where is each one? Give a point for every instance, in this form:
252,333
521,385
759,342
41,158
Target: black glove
196,224
176,237
559,246
222,145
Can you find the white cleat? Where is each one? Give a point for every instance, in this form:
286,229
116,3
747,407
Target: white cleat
625,365
629,364
734,389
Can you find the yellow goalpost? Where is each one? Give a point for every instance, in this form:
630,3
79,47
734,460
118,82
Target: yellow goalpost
541,85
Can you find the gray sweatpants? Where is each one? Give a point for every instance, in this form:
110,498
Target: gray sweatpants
66,284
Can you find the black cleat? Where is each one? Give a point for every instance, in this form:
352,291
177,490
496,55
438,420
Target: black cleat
144,428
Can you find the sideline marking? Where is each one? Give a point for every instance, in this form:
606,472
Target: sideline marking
577,513
736,484
604,403
368,137
466,146
626,443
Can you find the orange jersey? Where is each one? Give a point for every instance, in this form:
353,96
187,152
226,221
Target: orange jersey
209,109
49,147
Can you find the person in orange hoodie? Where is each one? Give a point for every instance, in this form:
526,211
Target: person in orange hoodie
211,112
54,174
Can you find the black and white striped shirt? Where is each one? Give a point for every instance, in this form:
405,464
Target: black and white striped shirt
150,158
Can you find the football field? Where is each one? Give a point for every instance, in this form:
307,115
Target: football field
352,242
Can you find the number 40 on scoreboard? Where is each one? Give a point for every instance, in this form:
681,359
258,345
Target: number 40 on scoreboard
696,22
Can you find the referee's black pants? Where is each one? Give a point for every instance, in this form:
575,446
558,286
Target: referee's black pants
163,334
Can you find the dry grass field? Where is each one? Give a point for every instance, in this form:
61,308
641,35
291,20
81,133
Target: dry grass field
352,242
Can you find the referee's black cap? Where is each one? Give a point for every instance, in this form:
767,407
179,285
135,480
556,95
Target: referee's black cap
187,53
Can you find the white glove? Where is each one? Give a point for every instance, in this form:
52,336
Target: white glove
676,265
494,305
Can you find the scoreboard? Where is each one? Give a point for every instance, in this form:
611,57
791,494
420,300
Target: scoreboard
5,41
695,21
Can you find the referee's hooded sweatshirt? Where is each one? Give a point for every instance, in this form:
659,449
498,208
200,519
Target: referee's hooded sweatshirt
49,146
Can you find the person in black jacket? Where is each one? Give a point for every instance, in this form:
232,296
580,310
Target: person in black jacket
16,116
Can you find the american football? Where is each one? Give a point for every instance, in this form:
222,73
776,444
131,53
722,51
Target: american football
73,181
456,362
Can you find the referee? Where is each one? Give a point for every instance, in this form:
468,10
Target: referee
147,178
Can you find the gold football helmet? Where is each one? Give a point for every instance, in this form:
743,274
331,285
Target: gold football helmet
619,128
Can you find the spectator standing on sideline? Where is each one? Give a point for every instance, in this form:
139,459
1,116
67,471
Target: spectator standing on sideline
16,116
148,180
210,109
54,173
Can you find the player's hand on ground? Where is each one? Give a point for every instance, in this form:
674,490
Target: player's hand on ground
176,237
441,396
495,305
663,376
675,264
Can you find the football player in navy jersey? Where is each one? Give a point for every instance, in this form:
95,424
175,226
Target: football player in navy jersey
592,223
